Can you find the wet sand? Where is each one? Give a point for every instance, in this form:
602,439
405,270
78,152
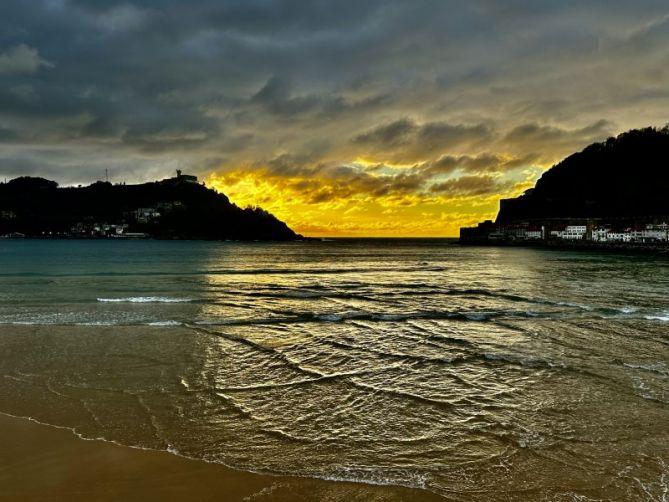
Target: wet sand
42,463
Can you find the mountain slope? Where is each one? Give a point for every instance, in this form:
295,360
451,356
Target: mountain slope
178,208
623,177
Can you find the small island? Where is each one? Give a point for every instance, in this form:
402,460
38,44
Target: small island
174,208
612,195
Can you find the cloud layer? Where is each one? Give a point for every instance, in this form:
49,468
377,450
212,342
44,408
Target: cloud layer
348,117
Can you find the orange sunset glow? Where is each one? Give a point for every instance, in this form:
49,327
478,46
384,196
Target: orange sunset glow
325,207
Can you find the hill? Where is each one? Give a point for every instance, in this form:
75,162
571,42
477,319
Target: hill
175,208
622,178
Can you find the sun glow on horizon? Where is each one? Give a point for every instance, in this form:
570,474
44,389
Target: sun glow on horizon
327,207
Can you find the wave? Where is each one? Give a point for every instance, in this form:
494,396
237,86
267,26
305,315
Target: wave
478,316
146,299
286,318
291,317
306,295
347,345
324,377
471,354
86,323
664,317
503,295
271,351
653,367
521,360
341,316
401,393
323,271
243,271
101,323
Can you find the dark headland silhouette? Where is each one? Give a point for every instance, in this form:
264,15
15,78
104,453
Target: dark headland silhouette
174,208
614,191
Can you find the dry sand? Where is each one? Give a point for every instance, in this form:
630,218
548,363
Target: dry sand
42,463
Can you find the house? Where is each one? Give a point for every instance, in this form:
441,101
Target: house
146,214
188,178
619,236
534,233
600,234
653,233
516,233
570,232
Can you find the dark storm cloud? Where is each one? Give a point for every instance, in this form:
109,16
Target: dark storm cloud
406,141
483,163
467,186
549,139
459,86
276,97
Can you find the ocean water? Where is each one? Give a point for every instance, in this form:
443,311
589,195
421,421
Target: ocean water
475,373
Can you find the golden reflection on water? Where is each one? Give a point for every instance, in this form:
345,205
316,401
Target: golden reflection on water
512,374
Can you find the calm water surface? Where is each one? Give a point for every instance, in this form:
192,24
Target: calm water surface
476,373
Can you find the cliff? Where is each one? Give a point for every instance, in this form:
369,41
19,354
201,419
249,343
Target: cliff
622,178
173,208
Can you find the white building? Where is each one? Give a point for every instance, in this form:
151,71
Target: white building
534,234
516,233
652,233
600,234
625,236
571,232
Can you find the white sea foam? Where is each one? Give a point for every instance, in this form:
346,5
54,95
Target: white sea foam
664,316
146,299
97,323
654,367
164,323
576,305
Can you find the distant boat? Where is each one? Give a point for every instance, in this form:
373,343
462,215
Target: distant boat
133,235
13,235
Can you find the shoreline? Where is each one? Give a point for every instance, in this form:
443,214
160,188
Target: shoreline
621,248
40,462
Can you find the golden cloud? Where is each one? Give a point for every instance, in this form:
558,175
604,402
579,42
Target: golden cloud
356,199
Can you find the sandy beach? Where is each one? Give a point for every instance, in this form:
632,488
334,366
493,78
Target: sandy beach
39,462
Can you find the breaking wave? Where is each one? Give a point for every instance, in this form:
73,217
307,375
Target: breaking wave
146,299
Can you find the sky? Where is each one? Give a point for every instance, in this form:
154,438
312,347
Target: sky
343,118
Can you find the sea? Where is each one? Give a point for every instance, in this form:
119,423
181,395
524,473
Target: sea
476,373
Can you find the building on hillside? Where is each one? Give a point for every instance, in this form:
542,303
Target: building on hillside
570,233
652,233
600,234
619,236
534,233
188,178
146,214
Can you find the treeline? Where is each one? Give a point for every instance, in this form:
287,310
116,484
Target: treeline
37,206
622,177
